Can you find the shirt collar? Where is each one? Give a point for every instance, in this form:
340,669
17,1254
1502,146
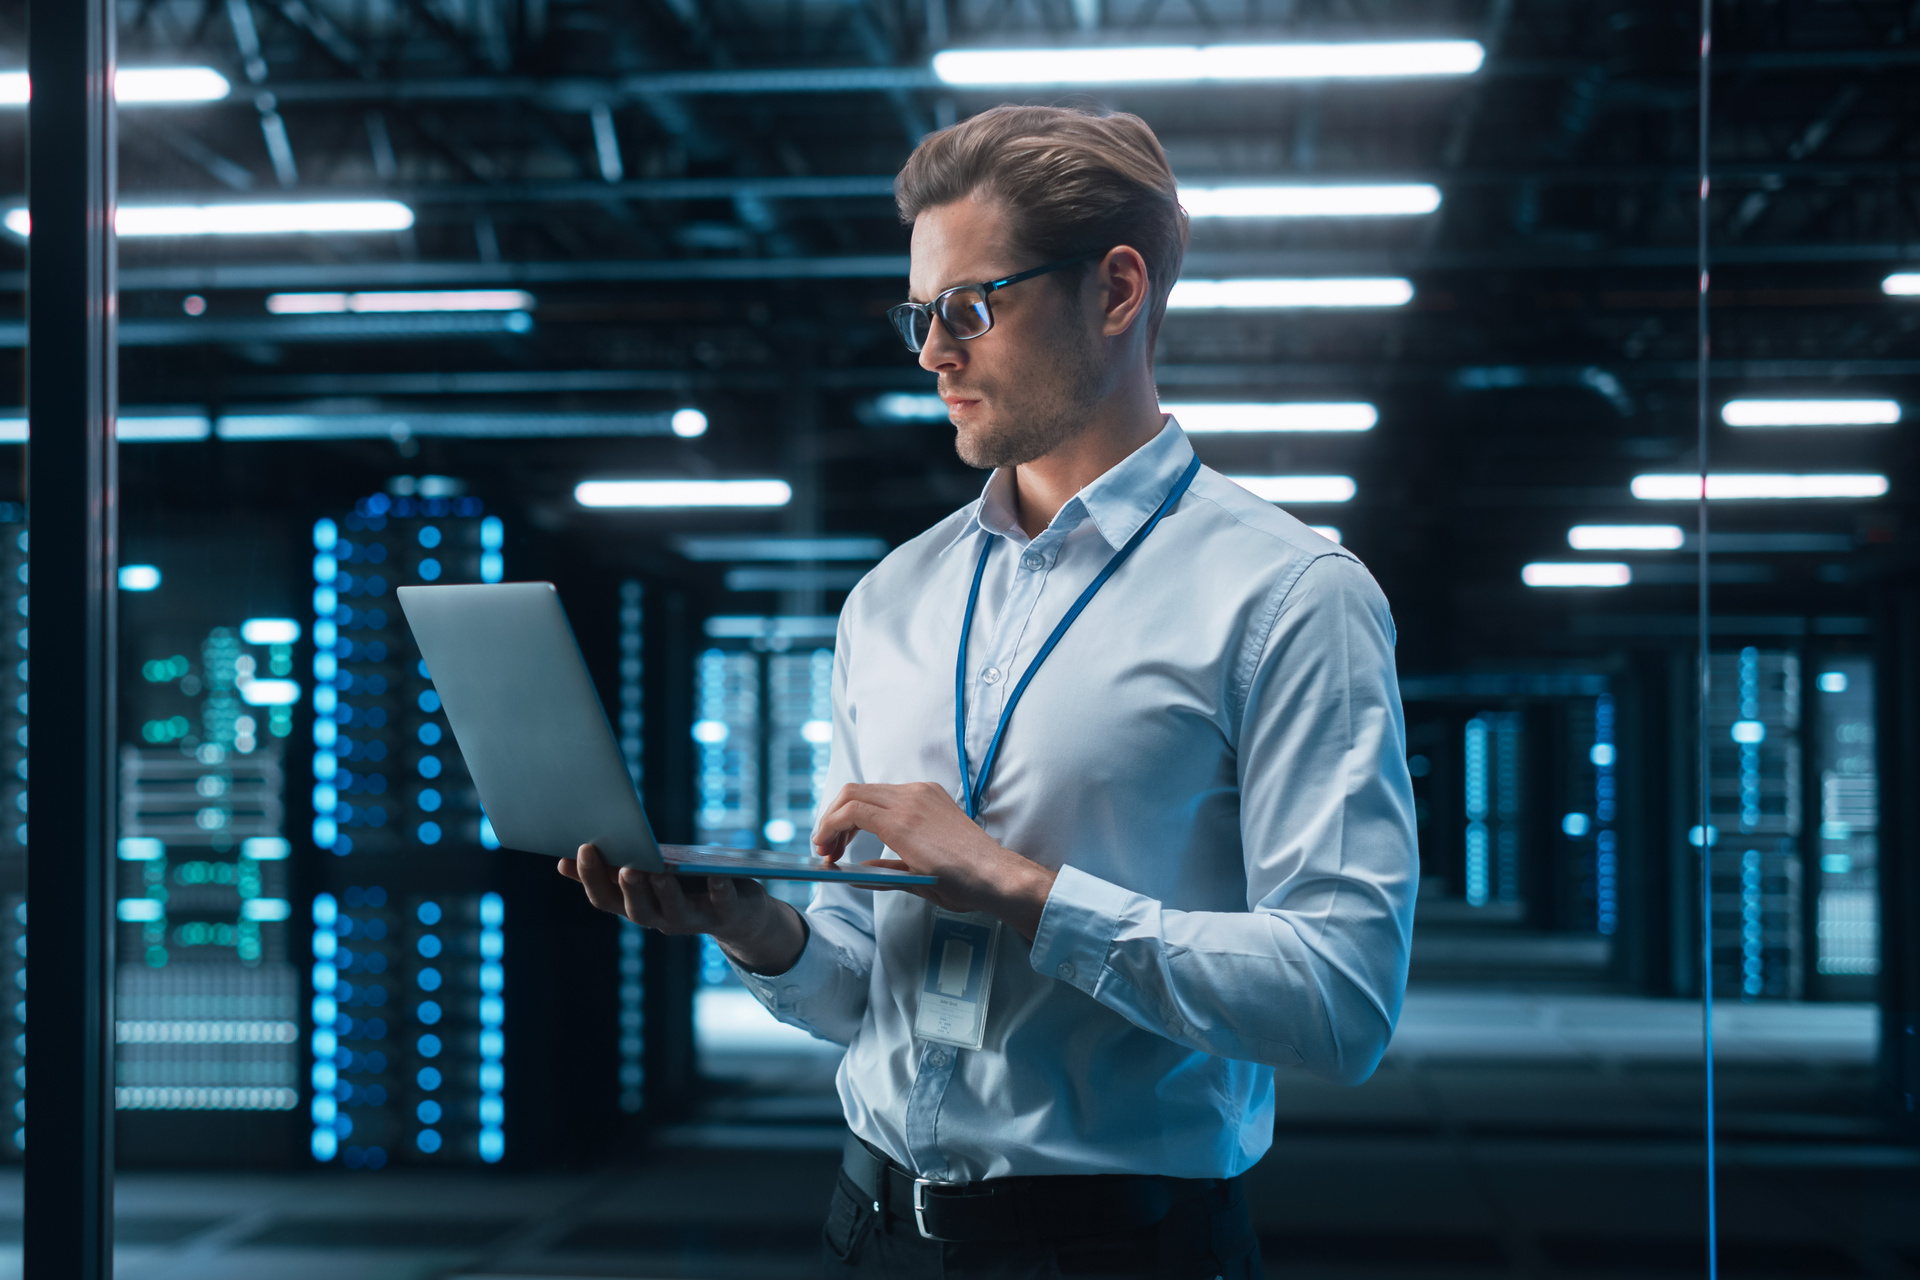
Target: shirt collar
1118,502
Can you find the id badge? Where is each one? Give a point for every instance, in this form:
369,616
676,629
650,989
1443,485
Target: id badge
958,979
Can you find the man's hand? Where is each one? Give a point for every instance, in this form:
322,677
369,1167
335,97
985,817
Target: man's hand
930,835
750,924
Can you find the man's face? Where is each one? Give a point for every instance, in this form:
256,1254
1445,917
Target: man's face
1027,385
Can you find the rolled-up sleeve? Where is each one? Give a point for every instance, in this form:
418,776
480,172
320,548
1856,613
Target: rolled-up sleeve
826,990
1313,971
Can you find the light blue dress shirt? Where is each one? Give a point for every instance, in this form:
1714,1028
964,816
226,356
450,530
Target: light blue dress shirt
1213,759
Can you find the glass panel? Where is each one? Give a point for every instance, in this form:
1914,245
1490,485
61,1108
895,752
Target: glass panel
566,270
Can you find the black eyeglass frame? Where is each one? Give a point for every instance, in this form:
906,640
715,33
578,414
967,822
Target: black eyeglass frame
901,313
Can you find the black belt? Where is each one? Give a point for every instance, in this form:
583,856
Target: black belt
1007,1209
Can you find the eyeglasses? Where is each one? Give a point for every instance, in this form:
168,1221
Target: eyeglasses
963,309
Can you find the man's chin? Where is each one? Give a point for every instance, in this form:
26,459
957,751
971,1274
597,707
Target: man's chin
977,446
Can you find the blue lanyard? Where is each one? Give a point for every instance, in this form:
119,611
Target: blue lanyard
973,790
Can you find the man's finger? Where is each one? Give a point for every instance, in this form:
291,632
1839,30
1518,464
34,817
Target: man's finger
568,868
599,880
846,816
891,864
674,906
637,901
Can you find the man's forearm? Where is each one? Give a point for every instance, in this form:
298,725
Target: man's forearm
774,946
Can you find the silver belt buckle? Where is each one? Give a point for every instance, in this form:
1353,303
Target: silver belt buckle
920,1186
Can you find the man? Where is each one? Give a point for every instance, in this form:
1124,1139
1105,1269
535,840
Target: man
1192,854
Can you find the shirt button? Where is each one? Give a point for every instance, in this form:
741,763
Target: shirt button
1066,970
1033,562
991,675
938,1057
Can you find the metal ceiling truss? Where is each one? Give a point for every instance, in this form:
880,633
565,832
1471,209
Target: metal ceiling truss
698,189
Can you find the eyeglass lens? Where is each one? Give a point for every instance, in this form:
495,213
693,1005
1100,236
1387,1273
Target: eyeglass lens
963,311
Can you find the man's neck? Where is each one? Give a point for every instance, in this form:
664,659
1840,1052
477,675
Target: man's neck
1043,486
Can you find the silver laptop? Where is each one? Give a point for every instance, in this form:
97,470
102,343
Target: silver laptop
537,742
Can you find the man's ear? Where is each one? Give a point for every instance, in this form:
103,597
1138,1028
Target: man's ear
1125,284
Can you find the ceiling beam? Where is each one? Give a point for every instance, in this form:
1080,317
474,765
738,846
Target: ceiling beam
580,92
335,275
906,376
878,186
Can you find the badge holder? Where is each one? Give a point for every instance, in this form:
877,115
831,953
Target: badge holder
958,980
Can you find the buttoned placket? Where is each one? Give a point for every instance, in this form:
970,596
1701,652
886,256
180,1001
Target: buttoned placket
995,648
930,1081
992,654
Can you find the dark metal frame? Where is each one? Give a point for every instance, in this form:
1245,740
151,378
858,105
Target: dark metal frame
71,503
903,313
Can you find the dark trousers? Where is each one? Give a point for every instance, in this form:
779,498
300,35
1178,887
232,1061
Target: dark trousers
1208,1237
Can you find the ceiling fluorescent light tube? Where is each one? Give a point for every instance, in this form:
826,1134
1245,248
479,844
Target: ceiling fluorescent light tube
137,86
683,493
1580,574
128,428
1810,413
131,430
900,406
1311,201
307,304
316,217
1626,537
1291,489
749,547
1273,417
1197,64
1685,487
1902,284
1276,295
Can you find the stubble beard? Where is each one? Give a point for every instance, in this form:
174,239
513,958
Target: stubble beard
1034,425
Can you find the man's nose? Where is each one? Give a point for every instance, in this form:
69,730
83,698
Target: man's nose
941,353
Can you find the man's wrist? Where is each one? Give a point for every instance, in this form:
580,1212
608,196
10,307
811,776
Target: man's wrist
1029,900
771,945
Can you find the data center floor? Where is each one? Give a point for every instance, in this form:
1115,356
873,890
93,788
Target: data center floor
1505,1135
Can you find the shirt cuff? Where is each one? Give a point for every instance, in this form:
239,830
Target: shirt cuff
1077,928
782,992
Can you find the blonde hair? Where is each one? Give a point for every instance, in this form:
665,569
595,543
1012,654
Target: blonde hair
1071,181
